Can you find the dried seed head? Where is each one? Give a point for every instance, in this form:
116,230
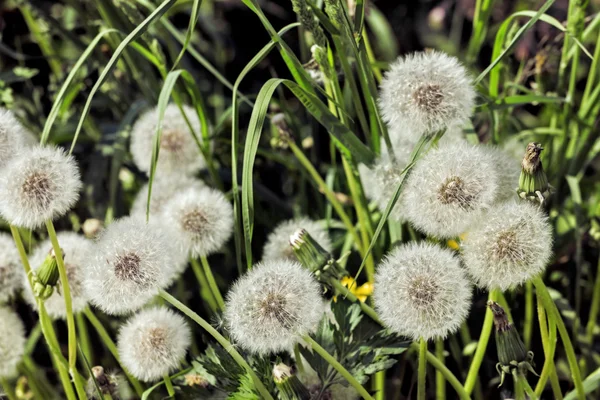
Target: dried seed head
426,92
108,383
11,272
13,136
153,343
278,245
511,244
178,149
274,304
421,291
12,342
129,263
39,184
76,251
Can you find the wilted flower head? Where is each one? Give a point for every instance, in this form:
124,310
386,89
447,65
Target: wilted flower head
449,188
421,291
39,184
202,220
11,271
76,251
163,190
129,263
274,304
426,92
178,149
12,342
13,136
511,245
108,384
278,245
153,343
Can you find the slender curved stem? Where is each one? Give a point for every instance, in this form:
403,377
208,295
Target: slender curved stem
8,389
214,288
595,306
484,338
84,338
422,372
440,381
527,387
519,389
549,346
205,291
338,367
169,385
221,339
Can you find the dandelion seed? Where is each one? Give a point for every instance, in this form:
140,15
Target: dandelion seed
272,306
13,136
39,184
449,188
153,343
76,250
178,149
278,245
426,92
508,171
129,263
202,220
421,291
11,272
511,245
12,342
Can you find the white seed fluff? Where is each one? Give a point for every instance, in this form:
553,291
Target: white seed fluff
272,306
511,245
76,250
39,184
130,262
421,291
153,343
12,342
163,190
426,92
449,188
201,218
178,149
11,271
508,170
13,136
278,245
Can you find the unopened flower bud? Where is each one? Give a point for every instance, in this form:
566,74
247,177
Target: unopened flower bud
533,182
290,387
91,227
314,257
45,279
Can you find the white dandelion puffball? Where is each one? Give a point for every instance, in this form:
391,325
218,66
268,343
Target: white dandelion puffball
76,250
426,92
421,291
13,136
449,188
153,343
278,245
163,190
202,220
508,170
271,307
511,245
12,342
11,271
178,149
130,262
39,184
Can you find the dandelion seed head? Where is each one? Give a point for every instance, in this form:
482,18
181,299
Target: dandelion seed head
421,291
153,343
272,306
178,149
11,271
508,171
12,342
511,245
76,251
278,246
13,136
39,184
426,92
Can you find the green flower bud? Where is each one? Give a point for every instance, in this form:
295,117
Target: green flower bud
45,279
315,258
533,182
290,387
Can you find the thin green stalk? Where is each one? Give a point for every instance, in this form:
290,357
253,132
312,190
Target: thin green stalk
32,377
298,356
205,291
8,389
484,338
422,371
518,385
554,314
112,348
66,291
528,388
549,346
595,306
440,381
84,338
528,325
221,339
169,385
350,296
212,283
379,385
41,40
338,367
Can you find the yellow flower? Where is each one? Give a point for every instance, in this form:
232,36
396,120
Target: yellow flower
455,244
361,292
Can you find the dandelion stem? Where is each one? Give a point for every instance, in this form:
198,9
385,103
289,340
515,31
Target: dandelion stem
169,385
8,389
221,339
518,385
338,367
440,381
72,334
527,387
84,337
484,338
205,291
422,372
214,288
528,315
298,357
112,347
549,345
595,306
350,296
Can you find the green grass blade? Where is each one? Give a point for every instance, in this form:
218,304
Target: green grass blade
190,31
